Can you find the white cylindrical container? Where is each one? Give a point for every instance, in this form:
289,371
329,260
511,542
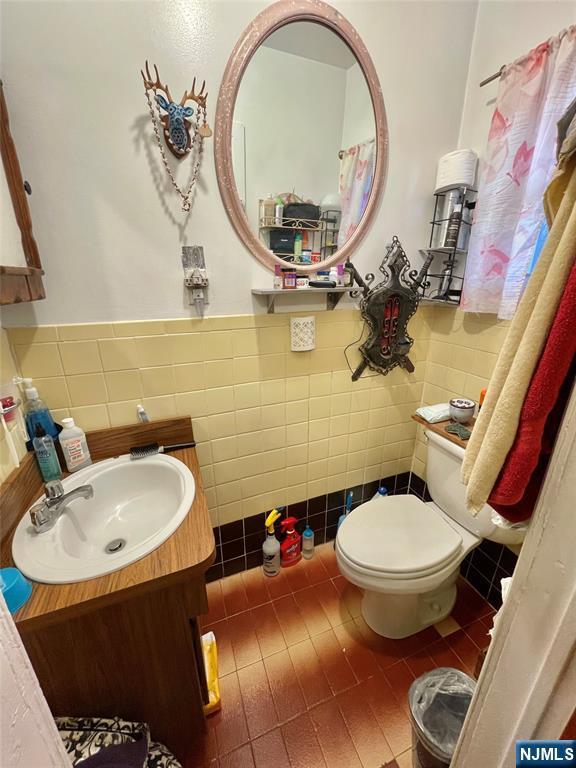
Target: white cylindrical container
74,446
302,334
308,543
456,169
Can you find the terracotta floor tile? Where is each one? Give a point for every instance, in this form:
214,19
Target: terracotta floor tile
414,643
420,663
234,594
278,586
465,648
333,736
351,594
391,716
302,744
291,623
240,758
385,651
333,661
405,760
333,604
286,691
367,736
356,650
257,699
230,723
309,672
311,611
268,630
316,571
216,610
447,626
328,556
443,656
270,750
255,586
297,576
226,660
393,764
244,641
400,678
478,632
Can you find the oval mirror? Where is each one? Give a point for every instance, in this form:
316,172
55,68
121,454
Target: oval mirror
301,141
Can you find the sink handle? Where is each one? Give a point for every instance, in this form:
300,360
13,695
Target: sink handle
54,489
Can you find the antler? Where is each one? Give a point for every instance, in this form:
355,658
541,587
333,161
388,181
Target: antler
199,98
155,84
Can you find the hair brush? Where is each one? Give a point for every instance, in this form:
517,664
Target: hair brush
153,449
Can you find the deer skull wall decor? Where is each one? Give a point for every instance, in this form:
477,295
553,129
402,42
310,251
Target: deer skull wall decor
386,310
183,133
175,121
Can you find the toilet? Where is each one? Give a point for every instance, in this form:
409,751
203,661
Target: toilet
405,553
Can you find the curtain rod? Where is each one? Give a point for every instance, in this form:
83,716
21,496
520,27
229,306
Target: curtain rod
495,76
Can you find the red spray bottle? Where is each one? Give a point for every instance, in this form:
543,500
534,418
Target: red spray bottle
291,547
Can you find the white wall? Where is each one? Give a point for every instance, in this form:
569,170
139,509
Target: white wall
359,122
505,30
292,109
110,248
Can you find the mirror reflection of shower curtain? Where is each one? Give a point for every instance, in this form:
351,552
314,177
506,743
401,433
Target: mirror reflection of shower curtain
356,175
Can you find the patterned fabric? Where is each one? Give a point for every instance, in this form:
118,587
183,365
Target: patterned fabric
84,736
519,162
356,175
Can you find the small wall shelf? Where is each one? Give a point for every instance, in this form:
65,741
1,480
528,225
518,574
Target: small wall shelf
333,295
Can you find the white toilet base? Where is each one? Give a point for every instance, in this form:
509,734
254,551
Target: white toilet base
399,615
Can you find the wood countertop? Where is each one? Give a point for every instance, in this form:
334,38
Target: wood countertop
439,429
186,555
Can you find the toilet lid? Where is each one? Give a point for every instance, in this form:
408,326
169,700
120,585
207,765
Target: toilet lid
398,534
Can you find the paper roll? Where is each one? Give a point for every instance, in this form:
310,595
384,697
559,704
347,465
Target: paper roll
456,169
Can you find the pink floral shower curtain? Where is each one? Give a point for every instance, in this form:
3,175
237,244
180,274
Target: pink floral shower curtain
356,174
520,157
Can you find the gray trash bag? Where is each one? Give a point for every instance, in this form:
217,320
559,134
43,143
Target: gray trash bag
439,701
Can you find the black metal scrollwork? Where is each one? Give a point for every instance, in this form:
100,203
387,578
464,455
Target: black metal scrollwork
387,308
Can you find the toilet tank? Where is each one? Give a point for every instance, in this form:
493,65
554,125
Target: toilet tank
444,462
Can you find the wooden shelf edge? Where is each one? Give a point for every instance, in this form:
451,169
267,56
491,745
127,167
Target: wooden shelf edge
438,428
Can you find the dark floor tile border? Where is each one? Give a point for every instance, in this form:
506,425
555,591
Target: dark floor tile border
239,544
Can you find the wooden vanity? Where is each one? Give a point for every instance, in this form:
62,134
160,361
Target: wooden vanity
126,643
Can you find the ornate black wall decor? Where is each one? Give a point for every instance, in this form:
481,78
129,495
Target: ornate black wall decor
386,310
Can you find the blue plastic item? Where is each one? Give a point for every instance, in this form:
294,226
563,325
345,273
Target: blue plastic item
16,589
382,491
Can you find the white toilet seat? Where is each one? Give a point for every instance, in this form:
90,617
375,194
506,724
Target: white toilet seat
398,538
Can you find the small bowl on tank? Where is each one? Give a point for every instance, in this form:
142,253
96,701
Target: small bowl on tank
462,409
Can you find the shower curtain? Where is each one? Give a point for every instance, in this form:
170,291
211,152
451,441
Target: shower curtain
356,174
520,158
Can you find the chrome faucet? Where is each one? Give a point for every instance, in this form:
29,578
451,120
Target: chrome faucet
44,514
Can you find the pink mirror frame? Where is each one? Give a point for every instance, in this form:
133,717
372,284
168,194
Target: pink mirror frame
270,19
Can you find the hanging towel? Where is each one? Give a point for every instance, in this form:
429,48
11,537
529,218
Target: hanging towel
496,427
516,490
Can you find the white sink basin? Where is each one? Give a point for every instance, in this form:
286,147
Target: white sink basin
136,506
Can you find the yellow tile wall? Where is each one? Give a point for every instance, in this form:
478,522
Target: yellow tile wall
273,426
462,352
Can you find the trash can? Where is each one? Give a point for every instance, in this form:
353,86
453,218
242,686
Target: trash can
438,701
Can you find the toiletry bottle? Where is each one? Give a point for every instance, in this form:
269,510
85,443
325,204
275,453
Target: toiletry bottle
291,547
481,401
277,284
46,455
382,491
298,246
308,543
36,412
269,211
279,214
271,546
74,446
453,230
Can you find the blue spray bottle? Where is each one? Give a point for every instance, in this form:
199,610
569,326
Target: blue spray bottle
347,510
